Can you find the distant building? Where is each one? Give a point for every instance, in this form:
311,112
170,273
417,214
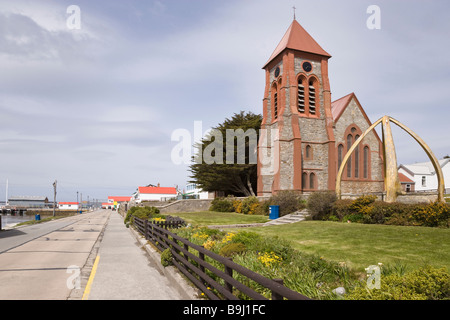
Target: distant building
423,175
153,193
194,192
29,201
68,205
407,184
115,201
118,199
107,205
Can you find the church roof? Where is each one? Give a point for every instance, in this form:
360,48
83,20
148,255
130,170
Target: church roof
299,39
338,106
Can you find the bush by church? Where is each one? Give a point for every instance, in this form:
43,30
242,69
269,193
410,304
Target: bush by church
366,209
288,201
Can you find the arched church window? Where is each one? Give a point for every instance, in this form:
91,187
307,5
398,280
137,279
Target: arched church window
340,155
308,152
301,95
366,162
349,162
304,180
275,101
312,180
357,159
312,97
275,105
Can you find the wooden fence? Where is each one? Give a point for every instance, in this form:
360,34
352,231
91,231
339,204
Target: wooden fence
189,258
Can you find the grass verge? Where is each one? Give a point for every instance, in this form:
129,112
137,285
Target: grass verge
361,245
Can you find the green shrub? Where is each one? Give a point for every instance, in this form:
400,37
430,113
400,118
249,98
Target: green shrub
432,215
289,202
246,237
263,208
353,218
222,205
341,208
359,203
366,210
231,249
320,204
426,283
140,212
166,258
249,205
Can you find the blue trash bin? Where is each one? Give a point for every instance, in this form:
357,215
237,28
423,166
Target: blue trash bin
37,217
274,212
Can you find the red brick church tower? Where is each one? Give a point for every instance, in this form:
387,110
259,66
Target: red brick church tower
298,117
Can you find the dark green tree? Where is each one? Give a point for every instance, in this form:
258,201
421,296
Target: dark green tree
226,157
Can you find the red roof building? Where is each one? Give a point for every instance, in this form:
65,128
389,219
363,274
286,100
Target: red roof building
118,199
158,193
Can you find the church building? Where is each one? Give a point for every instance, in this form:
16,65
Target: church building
307,135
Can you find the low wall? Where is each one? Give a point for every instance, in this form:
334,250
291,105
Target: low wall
186,205
410,197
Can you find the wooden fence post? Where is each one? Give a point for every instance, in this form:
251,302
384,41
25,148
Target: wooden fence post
276,296
146,229
229,272
201,255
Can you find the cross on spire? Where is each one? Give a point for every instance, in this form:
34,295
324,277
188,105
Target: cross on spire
294,11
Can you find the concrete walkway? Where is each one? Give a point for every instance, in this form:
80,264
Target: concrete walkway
124,271
289,218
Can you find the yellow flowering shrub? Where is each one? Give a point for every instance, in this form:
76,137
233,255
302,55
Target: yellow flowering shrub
432,214
209,244
237,205
269,258
228,237
200,236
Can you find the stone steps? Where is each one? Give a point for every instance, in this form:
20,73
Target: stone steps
290,218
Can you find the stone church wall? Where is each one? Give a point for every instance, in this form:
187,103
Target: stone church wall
353,115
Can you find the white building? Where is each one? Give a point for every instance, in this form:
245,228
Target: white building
194,192
155,194
68,205
424,175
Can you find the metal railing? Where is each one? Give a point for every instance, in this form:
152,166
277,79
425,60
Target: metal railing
191,260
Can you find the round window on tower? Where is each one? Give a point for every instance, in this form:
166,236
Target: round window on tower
307,66
277,71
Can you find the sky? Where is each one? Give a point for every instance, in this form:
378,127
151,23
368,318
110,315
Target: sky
94,107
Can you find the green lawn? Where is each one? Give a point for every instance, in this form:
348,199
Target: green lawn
220,218
359,245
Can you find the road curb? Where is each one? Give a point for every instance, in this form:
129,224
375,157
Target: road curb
183,287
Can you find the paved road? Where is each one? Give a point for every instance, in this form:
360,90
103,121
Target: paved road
34,260
124,270
39,262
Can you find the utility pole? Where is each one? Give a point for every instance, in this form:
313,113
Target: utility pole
54,197
6,201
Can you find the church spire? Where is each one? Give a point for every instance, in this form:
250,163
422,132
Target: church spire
297,38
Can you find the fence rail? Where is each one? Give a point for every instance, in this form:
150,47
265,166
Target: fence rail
195,266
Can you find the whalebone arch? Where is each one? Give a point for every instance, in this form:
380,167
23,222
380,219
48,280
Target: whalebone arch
391,180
